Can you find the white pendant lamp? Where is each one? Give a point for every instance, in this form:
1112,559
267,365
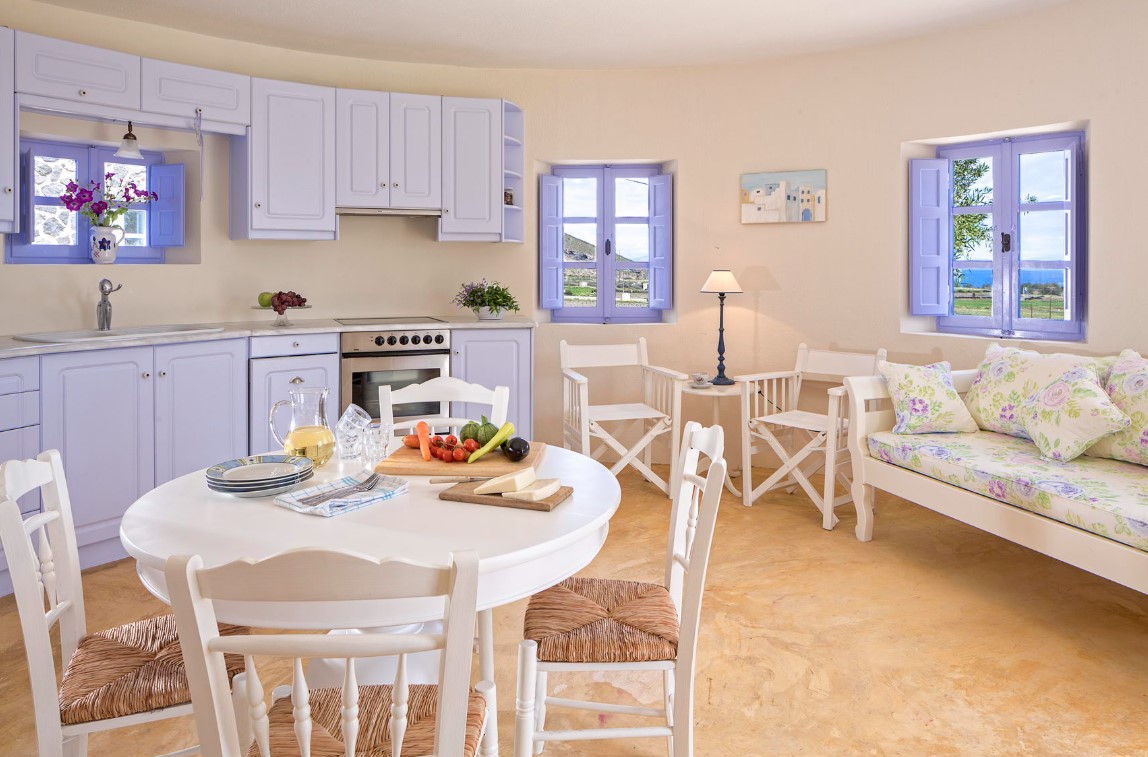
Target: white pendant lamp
129,146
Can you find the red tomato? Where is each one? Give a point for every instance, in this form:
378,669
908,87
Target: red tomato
447,456
460,454
470,445
451,440
436,441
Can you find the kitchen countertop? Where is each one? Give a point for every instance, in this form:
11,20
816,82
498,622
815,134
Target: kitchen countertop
10,347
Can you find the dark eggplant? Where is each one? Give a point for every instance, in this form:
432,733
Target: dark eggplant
516,448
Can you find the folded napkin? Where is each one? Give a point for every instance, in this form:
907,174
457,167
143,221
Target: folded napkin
387,488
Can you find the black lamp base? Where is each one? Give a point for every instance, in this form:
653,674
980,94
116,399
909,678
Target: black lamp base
722,381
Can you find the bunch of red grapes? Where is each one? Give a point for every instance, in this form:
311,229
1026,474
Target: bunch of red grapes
280,301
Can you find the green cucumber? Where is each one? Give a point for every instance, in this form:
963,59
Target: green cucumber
502,435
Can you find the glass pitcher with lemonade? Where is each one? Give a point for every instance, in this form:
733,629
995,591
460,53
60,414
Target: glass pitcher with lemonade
309,435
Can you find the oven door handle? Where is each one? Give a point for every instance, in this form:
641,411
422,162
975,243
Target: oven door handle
404,353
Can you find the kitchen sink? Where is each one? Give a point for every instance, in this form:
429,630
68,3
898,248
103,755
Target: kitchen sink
95,335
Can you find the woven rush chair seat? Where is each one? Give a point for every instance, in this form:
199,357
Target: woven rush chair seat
603,620
129,669
374,739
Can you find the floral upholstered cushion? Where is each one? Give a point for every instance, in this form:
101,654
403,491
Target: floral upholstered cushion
1006,378
924,398
1068,415
1127,385
1106,497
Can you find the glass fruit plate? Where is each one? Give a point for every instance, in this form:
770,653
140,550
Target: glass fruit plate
281,320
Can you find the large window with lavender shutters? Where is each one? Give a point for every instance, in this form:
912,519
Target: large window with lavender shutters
997,237
605,243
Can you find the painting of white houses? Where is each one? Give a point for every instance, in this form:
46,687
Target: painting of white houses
783,196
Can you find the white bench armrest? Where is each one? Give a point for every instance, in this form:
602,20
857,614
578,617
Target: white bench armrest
670,374
574,376
769,376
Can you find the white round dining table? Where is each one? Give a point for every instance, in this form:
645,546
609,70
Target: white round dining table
520,551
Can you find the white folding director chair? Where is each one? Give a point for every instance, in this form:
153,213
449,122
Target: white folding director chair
658,412
804,442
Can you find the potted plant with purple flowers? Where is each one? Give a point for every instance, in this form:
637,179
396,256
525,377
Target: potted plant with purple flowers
103,205
486,300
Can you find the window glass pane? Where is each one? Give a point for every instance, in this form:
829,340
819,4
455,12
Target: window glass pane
1044,176
632,197
1044,235
54,224
973,236
134,224
632,242
972,182
580,197
1042,294
51,175
632,288
580,288
973,291
579,242
125,172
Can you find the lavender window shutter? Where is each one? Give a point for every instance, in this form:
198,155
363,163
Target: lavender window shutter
662,247
550,241
930,243
165,215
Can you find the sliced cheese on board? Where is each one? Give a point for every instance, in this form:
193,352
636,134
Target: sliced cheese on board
539,490
509,482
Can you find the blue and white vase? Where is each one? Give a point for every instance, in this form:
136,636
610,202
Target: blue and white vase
104,243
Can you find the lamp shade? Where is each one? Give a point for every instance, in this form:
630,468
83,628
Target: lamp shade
129,146
719,281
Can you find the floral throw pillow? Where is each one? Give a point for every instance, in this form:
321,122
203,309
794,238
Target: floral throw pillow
1069,414
1006,378
924,399
1127,386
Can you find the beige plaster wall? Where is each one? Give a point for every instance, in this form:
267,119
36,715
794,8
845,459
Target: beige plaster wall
839,283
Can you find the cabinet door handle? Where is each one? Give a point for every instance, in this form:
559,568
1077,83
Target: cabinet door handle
83,93
383,184
297,380
395,185
445,211
162,374
146,375
295,345
7,190
258,204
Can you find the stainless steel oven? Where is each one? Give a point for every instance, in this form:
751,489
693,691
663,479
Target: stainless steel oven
396,358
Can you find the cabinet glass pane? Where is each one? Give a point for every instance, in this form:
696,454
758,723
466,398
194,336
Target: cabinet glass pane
1044,235
51,175
632,288
632,242
580,197
973,236
632,197
580,242
134,224
1042,294
972,182
1044,176
973,292
580,288
54,224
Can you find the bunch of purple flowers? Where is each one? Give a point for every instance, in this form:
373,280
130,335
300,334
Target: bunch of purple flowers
102,207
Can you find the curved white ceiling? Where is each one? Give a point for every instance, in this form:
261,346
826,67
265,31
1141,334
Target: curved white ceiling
560,33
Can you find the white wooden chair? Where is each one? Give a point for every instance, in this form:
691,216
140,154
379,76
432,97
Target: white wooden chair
443,389
445,719
658,412
120,677
770,414
609,625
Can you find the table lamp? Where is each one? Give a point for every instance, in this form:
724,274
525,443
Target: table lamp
721,282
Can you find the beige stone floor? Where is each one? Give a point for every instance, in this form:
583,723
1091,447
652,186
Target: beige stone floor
933,639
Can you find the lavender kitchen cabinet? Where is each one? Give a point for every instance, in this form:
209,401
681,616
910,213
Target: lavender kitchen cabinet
416,151
272,378
9,138
497,357
200,406
98,410
363,149
66,70
472,185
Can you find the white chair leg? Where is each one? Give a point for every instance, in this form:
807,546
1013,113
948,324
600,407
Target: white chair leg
242,715
746,469
668,689
488,746
525,699
863,500
76,746
683,725
829,474
540,708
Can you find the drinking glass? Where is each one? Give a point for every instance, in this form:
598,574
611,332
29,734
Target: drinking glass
376,442
349,431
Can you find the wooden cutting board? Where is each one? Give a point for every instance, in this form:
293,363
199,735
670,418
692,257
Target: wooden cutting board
407,461
464,492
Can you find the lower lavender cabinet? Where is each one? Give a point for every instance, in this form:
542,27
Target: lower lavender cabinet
497,357
126,420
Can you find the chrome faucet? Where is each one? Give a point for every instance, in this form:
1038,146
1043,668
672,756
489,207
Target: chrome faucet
104,309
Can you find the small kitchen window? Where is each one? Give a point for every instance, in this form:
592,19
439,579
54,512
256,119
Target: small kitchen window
50,233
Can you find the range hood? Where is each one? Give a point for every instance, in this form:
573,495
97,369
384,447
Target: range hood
401,212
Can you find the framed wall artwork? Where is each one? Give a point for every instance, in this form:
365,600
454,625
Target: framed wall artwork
783,196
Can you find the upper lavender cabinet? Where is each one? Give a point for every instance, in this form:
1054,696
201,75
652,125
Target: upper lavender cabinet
283,170
416,151
178,90
9,137
363,149
70,71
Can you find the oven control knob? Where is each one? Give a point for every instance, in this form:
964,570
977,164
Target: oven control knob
416,339
379,340
427,339
403,339
392,341
438,339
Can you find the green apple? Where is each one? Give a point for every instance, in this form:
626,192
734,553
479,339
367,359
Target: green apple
265,299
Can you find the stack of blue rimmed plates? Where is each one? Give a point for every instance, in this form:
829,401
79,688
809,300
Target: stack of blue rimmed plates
259,475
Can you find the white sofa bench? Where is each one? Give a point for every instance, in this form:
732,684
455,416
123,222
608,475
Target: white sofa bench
1099,551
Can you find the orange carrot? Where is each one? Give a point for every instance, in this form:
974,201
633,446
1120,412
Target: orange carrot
424,438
